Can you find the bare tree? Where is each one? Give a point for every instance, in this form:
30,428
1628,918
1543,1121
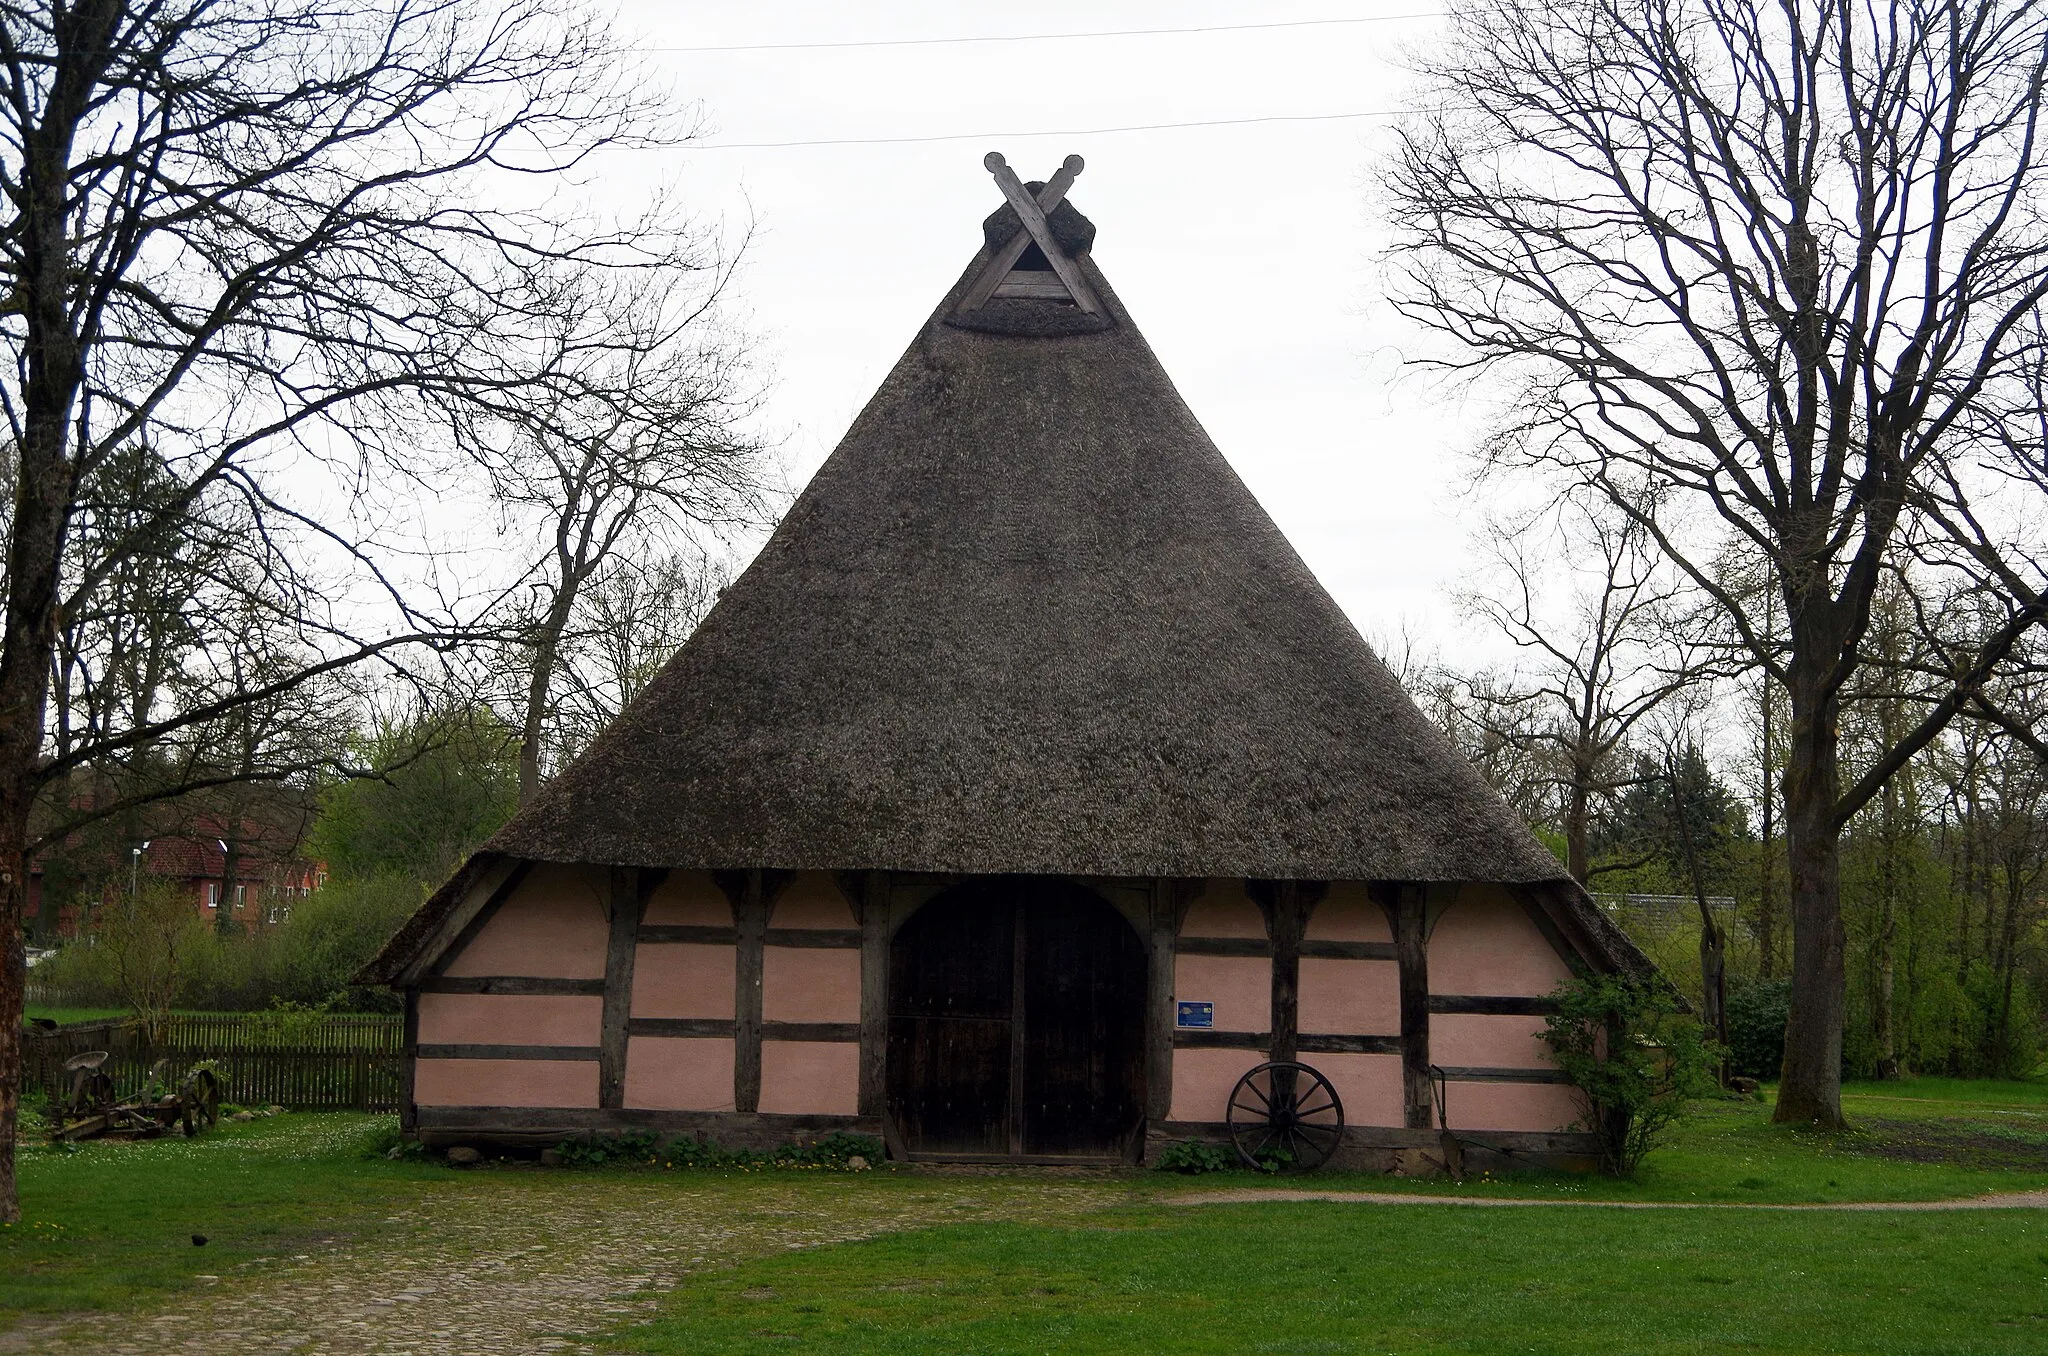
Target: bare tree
257,239
634,443
1604,630
633,616
1762,273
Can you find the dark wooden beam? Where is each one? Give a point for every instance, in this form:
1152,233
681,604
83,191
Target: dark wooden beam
626,901
1222,1040
814,937
1171,899
700,935
515,984
1327,1043
408,1071
484,915
875,914
1348,950
1286,921
810,1031
693,1028
1407,915
1260,947
472,1050
1463,1074
750,917
1498,1006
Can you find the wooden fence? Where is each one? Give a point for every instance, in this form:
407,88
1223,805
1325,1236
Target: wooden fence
306,1062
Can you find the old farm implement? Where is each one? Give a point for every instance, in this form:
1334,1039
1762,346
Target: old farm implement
1285,1115
91,1110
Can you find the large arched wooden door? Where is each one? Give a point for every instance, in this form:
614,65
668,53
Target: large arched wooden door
1016,1023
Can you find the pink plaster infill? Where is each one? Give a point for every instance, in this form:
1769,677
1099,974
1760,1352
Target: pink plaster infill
1369,1086
1511,1106
1485,944
810,1078
671,1074
682,979
1489,1042
1202,1080
1241,987
812,900
510,1019
553,927
1348,913
688,899
810,984
1350,997
505,1082
1224,910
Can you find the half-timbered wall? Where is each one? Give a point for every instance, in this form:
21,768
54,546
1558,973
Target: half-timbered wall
609,992
515,1017
1489,968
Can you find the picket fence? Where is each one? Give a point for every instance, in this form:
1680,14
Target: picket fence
304,1062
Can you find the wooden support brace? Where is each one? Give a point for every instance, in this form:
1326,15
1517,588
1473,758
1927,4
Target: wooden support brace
874,992
750,917
1170,901
625,902
1407,915
1005,259
1033,217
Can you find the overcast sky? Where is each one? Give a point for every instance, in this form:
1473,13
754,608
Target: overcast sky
1245,253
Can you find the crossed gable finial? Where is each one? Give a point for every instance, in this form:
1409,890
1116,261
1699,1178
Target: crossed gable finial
1001,277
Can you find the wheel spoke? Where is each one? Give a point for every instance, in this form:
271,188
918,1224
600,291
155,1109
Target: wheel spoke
1307,1111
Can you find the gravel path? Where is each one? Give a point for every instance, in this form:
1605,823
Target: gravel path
2013,1200
520,1263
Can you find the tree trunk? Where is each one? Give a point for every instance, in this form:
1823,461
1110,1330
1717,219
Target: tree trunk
1885,961
1576,856
1713,943
546,646
1810,1085
1767,885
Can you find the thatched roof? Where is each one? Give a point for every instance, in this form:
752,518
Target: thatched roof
1027,619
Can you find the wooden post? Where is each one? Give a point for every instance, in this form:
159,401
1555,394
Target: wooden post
408,1113
624,902
1170,900
750,918
874,993
1286,921
1407,914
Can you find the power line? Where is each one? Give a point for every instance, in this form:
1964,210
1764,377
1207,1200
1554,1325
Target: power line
1015,136
1048,37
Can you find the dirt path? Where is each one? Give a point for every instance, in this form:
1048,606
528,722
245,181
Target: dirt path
2014,1200
516,1264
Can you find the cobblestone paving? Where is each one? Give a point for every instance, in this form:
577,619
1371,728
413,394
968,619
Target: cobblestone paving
525,1262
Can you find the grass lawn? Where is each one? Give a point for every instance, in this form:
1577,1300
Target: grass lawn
1330,1277
110,1225
1361,1278
65,1016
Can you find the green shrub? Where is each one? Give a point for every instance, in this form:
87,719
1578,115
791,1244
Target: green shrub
1757,1012
1634,1059
1191,1156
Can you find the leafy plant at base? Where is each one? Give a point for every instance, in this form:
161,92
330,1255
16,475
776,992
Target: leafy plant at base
1192,1156
644,1148
1633,1057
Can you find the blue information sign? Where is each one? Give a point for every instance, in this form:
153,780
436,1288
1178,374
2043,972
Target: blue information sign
1196,1014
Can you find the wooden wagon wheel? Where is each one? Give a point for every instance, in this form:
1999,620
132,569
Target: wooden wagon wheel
1285,1109
199,1102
